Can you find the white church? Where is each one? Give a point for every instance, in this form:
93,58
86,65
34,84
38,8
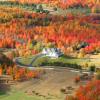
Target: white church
52,52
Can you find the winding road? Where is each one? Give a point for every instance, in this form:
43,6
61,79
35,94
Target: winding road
90,61
17,60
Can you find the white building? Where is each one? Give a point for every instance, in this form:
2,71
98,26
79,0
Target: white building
52,52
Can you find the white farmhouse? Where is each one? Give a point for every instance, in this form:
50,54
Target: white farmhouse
52,52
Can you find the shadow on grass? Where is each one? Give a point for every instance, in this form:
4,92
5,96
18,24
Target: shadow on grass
76,66
67,57
4,88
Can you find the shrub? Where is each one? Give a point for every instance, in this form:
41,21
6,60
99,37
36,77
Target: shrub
55,8
92,68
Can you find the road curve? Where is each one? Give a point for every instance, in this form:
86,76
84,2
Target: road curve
17,61
90,61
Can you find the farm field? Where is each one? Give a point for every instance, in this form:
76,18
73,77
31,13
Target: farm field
45,83
50,50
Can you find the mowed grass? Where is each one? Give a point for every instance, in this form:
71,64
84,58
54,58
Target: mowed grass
63,61
19,95
47,61
26,60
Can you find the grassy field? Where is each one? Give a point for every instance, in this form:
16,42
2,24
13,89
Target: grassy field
27,60
19,95
61,61
54,79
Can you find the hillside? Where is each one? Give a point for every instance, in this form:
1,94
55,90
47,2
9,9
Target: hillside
50,84
63,2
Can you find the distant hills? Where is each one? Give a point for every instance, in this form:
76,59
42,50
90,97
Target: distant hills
62,3
68,2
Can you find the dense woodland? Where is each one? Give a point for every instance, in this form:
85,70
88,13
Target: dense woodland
69,33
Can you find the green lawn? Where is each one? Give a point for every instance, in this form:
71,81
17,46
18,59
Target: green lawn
19,95
63,61
27,60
